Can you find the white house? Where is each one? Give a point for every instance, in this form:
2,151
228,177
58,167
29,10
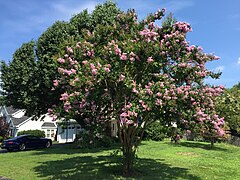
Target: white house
19,122
53,130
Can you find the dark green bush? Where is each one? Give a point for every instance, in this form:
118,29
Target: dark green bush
85,139
1,139
37,133
155,132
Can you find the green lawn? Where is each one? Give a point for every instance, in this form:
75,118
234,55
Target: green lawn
156,160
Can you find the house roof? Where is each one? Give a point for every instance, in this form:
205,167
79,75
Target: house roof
48,124
11,110
17,121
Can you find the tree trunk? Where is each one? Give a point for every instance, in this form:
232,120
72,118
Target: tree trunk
128,161
212,142
128,141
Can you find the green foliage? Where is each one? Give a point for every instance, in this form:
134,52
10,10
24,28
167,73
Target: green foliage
87,139
155,132
18,77
228,106
29,76
37,133
1,139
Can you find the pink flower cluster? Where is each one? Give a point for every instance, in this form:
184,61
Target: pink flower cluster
128,117
149,35
182,26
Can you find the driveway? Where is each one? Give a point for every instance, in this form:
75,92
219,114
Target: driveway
3,151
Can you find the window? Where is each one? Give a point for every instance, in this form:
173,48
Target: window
48,133
52,133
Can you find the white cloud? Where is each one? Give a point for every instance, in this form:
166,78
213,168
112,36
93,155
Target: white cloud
238,62
219,68
65,10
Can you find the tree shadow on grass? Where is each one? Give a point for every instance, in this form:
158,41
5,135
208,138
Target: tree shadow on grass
72,149
108,167
201,145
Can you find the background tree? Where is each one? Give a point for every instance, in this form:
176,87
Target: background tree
136,72
28,77
18,77
228,106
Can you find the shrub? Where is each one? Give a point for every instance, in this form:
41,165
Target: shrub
155,132
85,139
1,139
37,133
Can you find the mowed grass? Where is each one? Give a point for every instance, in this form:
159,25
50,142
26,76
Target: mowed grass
156,160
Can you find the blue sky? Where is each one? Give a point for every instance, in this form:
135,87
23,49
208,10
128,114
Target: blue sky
215,23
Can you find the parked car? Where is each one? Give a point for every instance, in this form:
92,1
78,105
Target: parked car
26,142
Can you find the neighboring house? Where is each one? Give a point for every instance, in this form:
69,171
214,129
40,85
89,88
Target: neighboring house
53,130
19,122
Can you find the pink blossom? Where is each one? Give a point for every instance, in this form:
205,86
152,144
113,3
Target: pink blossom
132,59
123,56
122,77
159,102
161,84
55,82
124,114
135,90
89,53
118,50
149,92
85,62
70,50
73,71
61,60
50,111
221,132
92,66
107,69
150,60
94,72
76,80
64,97
67,106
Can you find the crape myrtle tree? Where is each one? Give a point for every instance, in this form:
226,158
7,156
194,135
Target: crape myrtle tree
136,72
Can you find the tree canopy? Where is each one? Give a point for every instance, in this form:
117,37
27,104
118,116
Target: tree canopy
136,72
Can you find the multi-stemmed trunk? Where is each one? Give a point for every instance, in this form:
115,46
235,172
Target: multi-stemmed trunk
130,138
